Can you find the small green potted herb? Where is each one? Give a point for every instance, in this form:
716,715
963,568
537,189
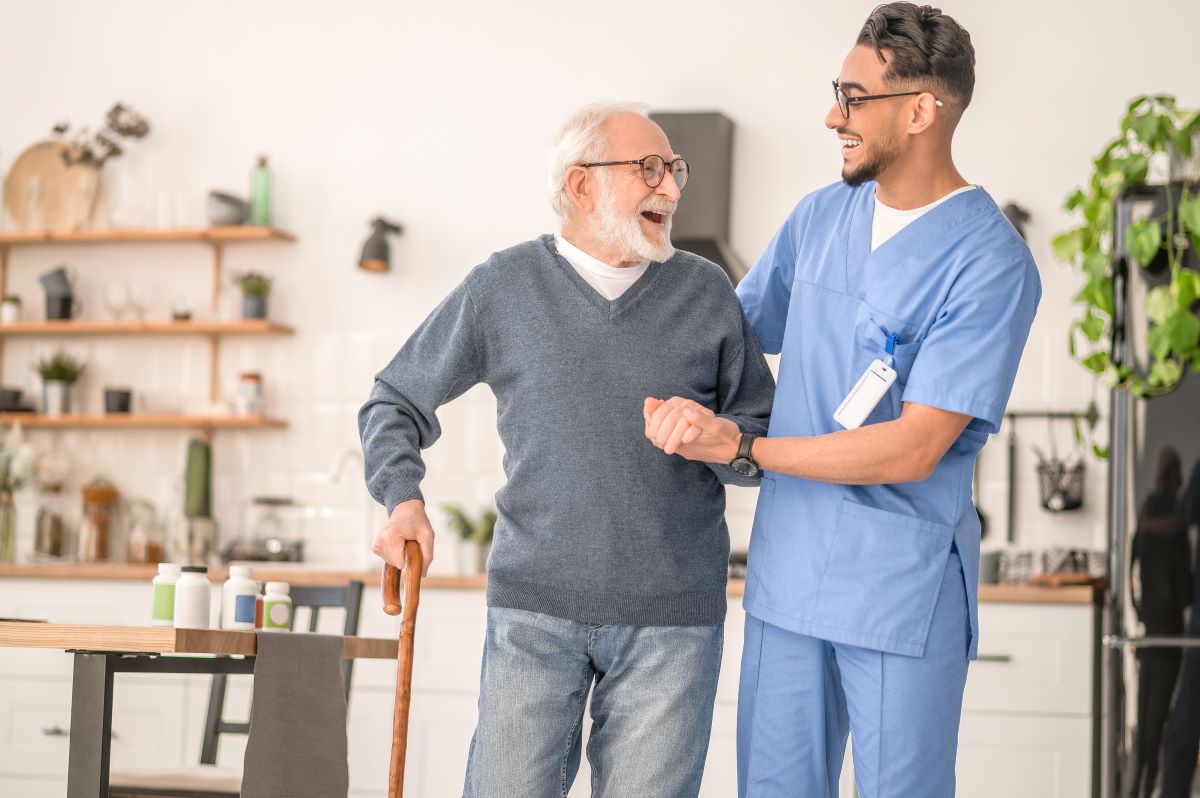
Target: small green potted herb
255,289
475,537
59,373
10,309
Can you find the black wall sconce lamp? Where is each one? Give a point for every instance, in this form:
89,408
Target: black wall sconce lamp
376,253
1017,216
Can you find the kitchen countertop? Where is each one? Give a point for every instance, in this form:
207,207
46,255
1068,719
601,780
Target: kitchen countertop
311,574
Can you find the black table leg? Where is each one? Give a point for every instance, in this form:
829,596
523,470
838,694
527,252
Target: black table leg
91,726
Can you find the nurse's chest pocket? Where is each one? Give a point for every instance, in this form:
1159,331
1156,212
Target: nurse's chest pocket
871,336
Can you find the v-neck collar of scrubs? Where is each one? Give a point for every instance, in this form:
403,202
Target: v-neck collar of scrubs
611,308
955,210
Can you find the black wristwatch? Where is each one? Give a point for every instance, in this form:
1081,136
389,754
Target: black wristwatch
744,464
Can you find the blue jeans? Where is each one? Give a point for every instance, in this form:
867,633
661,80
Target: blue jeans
652,687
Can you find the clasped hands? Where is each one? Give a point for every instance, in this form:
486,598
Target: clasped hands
686,428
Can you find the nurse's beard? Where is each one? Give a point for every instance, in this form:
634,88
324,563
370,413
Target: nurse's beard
624,233
884,154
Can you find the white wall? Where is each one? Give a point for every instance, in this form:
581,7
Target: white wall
439,114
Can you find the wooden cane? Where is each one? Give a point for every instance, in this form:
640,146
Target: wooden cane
413,564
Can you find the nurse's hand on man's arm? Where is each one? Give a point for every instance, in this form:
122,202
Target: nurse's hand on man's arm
407,522
906,449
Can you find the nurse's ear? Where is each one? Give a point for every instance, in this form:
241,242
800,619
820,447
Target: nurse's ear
924,112
582,188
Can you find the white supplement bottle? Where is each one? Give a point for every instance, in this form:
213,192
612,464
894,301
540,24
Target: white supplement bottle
238,599
277,608
162,612
193,598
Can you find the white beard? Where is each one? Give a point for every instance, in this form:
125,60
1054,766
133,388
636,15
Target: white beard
624,234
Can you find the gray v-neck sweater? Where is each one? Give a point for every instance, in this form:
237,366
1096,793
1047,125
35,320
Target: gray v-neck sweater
595,524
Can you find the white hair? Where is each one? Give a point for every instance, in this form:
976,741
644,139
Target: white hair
581,140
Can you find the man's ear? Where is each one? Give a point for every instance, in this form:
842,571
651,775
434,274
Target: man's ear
924,113
581,188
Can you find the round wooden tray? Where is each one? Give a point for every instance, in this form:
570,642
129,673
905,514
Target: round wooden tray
68,193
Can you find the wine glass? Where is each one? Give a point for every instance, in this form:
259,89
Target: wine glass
117,299
141,297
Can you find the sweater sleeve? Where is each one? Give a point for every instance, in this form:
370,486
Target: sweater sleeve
441,361
745,390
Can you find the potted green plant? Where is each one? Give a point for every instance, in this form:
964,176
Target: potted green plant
255,289
1153,126
59,373
10,309
475,537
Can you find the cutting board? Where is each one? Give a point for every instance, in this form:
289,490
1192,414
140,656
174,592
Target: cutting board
1063,580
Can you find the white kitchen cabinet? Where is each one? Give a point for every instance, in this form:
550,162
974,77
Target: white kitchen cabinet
1028,710
1010,755
35,724
1032,660
33,787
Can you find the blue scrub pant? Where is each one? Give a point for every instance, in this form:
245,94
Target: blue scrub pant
800,696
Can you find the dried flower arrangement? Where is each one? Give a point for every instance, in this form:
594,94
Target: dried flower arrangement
90,149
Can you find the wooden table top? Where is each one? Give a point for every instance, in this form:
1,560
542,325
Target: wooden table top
164,640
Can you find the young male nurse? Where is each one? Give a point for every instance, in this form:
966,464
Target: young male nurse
900,299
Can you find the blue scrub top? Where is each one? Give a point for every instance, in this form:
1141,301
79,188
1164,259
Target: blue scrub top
862,564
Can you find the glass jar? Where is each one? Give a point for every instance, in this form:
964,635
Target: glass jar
50,536
250,394
145,539
99,511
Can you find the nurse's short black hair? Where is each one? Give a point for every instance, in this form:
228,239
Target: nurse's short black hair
929,50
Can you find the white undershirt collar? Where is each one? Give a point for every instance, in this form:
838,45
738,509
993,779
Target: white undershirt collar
609,281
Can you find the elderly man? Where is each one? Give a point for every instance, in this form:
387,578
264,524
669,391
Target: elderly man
608,568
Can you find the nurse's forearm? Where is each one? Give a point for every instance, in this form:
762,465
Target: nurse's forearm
867,456
905,450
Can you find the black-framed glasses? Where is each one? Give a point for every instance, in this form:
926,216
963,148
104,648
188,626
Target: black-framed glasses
654,168
844,102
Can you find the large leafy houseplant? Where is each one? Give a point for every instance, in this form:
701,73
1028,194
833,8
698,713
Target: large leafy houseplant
1151,125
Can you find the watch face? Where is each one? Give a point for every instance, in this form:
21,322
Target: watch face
744,466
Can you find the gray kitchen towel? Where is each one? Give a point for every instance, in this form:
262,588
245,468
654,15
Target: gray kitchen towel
297,745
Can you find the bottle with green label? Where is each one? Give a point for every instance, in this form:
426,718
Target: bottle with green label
277,608
162,612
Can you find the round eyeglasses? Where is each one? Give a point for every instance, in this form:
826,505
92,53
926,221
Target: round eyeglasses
654,168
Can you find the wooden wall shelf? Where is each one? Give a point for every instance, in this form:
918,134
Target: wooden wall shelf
216,238
208,328
140,421
215,235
